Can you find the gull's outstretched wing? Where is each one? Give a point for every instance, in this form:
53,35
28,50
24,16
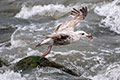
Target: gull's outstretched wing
78,16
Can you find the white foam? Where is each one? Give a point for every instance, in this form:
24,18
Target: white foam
111,11
31,52
55,11
23,34
53,53
111,73
117,50
10,75
14,42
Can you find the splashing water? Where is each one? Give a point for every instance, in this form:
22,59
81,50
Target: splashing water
111,73
55,11
111,11
11,75
97,58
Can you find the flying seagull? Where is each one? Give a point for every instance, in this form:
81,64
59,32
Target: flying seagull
64,33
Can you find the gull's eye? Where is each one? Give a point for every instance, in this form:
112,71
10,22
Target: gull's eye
82,33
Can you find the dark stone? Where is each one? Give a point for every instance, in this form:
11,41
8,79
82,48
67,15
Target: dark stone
28,63
3,62
31,62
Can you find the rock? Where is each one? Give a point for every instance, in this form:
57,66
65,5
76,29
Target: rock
3,63
28,63
31,62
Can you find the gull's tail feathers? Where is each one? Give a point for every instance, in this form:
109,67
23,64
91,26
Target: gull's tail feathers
44,42
38,45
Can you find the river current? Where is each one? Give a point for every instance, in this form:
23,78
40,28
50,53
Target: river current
24,23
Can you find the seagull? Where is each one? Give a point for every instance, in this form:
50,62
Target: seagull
64,33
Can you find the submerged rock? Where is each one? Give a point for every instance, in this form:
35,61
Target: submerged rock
3,63
31,62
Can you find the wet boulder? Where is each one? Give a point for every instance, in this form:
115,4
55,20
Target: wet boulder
31,62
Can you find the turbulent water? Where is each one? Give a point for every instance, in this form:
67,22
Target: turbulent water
24,23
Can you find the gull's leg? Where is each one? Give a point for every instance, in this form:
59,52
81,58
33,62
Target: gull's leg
47,52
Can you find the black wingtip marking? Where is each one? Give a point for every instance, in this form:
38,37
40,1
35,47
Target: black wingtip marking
83,10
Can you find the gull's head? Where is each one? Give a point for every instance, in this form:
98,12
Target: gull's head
81,34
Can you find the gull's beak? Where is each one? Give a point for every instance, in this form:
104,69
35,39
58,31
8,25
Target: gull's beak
90,37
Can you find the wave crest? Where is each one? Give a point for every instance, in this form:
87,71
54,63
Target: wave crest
111,12
55,11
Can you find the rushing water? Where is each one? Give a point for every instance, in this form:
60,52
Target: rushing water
23,23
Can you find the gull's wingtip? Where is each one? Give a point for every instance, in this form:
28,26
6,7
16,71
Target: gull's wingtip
76,12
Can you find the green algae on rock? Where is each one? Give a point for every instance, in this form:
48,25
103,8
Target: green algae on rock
28,63
31,62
